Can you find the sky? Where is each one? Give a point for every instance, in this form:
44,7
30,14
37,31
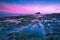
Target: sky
29,6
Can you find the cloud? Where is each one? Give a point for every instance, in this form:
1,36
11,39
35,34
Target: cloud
13,8
18,9
44,9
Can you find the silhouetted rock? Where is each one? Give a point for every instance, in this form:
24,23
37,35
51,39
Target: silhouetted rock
38,13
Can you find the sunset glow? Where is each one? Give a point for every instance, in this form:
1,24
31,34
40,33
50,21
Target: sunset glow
29,8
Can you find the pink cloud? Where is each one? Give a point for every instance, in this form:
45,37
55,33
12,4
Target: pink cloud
13,8
44,9
28,9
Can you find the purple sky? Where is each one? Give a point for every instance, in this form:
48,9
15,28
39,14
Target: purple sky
30,6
